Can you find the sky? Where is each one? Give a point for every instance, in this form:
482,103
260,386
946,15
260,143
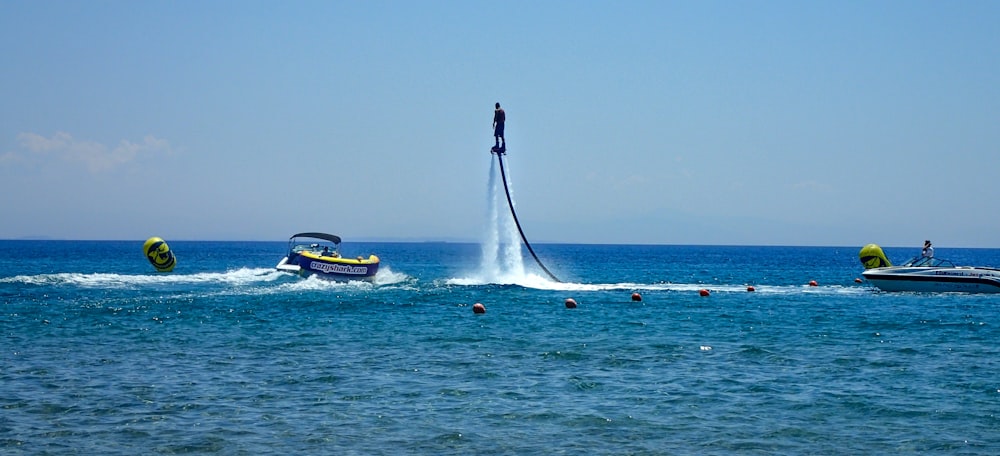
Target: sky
826,123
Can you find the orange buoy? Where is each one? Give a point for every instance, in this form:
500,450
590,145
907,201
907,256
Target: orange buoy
636,297
703,292
751,288
478,308
570,303
812,283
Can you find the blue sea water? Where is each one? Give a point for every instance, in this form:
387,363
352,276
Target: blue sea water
99,354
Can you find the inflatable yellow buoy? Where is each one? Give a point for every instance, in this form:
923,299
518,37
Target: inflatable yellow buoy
159,255
871,256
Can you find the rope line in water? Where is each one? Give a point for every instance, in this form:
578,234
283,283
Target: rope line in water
510,203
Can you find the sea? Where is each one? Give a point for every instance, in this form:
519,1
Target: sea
101,354
583,349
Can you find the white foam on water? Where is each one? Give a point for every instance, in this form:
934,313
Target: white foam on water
242,281
386,276
315,283
240,276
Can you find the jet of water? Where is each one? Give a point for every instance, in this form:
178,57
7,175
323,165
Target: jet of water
502,261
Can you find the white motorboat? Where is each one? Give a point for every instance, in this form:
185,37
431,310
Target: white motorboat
926,274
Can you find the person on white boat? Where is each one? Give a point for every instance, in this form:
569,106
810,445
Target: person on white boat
928,251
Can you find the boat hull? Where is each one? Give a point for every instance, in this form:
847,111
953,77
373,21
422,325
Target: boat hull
935,280
336,268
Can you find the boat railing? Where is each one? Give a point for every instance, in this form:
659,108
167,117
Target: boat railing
929,262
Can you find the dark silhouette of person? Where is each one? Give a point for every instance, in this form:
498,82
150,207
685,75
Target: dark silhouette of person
499,117
928,250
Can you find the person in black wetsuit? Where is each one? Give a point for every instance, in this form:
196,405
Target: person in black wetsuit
499,117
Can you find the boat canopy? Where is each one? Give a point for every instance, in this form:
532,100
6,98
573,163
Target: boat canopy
326,237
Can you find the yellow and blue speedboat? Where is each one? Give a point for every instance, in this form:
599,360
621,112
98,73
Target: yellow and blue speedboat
319,254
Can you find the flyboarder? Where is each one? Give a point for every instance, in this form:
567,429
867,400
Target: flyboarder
499,117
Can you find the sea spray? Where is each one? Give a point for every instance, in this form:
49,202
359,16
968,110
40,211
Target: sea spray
510,238
491,240
502,260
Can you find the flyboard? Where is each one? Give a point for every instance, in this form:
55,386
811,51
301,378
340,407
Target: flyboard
500,152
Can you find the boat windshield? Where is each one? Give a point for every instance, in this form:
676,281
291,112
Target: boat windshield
925,262
308,244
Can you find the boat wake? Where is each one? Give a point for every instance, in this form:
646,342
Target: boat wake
242,277
267,281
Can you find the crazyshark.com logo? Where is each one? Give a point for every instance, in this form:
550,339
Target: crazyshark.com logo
338,268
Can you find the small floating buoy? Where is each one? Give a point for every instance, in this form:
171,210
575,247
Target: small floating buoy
858,280
812,283
703,292
570,303
636,297
751,288
478,308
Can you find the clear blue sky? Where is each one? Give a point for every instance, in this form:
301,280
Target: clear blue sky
771,122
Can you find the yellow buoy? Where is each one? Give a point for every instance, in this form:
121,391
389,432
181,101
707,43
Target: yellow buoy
871,256
159,255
